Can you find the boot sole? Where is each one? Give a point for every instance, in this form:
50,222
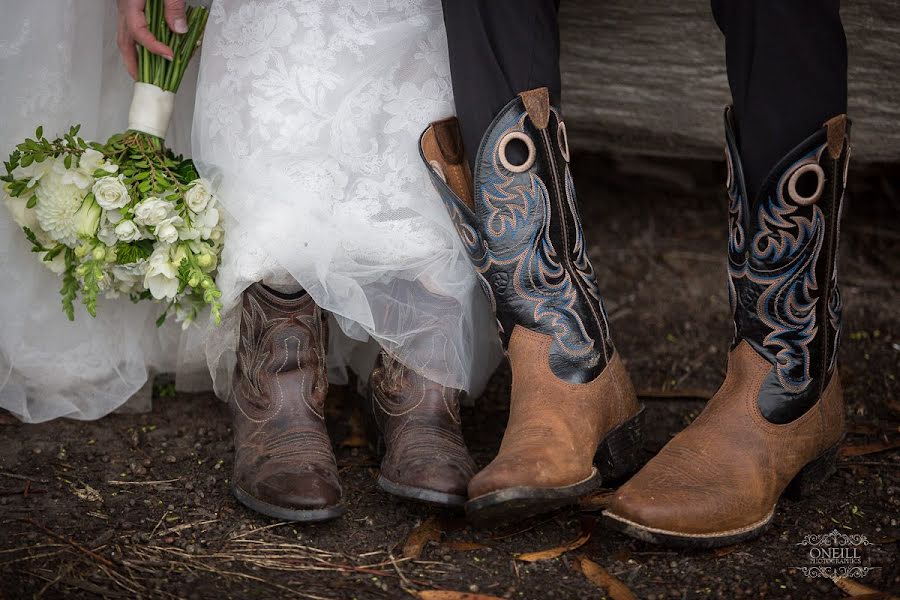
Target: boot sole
618,454
424,495
312,515
807,481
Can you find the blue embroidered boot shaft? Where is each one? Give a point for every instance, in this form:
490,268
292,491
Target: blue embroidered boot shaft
574,419
523,233
782,263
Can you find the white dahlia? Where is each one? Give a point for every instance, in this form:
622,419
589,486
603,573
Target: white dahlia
57,204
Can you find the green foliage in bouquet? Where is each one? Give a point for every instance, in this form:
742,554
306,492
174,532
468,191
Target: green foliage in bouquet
127,217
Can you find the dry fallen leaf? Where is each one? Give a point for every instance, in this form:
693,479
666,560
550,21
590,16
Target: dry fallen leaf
449,595
848,451
87,493
428,531
604,579
581,540
854,588
725,550
463,546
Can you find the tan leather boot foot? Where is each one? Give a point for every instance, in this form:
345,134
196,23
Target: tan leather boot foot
717,482
284,465
425,456
561,440
775,424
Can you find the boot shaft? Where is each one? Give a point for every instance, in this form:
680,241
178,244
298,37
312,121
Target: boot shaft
281,352
523,232
782,264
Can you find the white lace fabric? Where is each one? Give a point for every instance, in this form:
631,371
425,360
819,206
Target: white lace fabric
308,118
308,115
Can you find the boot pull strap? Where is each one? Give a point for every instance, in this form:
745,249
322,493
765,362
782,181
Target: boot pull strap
537,103
837,132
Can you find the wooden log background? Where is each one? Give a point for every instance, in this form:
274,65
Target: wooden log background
648,77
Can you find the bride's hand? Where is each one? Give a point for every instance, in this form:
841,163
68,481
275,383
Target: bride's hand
133,30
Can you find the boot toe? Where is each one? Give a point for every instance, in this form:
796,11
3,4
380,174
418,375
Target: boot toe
305,490
446,475
516,471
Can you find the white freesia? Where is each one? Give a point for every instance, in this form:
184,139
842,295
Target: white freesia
198,195
107,232
127,231
152,211
90,161
57,204
111,193
34,172
167,230
205,255
72,175
206,222
161,277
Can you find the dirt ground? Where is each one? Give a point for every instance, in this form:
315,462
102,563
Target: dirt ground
138,505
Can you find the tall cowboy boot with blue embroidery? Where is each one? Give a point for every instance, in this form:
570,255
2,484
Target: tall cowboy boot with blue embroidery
775,424
572,403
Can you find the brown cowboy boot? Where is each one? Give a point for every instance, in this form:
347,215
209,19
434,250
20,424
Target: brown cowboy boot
775,424
425,456
572,401
284,466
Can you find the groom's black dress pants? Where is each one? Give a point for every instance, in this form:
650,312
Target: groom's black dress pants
786,61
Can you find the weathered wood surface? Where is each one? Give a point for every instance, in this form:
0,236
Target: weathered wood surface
649,77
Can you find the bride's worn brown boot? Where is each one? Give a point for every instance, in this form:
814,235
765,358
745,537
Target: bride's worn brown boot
425,456
284,466
572,401
775,424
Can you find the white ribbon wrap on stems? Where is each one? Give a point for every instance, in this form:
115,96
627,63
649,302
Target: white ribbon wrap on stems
151,109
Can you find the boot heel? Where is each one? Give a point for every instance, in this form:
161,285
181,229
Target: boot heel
811,477
620,453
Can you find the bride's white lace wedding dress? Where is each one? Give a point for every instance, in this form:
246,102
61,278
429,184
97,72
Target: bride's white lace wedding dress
307,119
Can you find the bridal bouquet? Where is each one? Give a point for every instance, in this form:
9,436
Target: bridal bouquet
125,217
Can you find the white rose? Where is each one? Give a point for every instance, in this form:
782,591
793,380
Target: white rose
152,211
127,231
198,196
161,277
167,230
111,193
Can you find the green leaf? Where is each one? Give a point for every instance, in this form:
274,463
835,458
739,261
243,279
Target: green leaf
133,252
67,161
36,246
32,202
39,133
70,286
